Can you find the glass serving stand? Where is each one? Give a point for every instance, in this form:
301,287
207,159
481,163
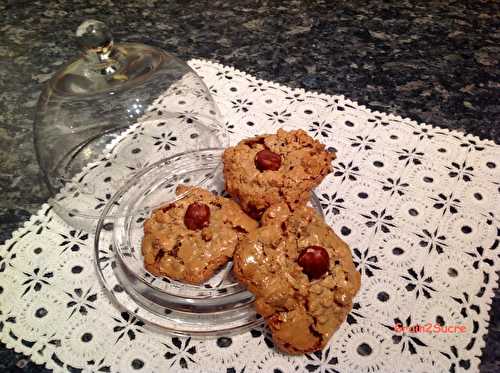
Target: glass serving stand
221,306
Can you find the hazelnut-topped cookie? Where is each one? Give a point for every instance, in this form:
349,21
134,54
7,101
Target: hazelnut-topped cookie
269,169
190,239
302,275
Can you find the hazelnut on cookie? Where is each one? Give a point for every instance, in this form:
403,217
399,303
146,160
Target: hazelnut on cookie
190,239
269,169
302,275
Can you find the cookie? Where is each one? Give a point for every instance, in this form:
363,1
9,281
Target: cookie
269,169
189,240
302,275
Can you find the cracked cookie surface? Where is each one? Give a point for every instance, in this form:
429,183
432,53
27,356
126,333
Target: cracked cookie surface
170,248
302,313
301,165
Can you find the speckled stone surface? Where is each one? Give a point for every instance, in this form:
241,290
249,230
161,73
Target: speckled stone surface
436,62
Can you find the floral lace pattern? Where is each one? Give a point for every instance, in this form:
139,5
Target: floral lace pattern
419,206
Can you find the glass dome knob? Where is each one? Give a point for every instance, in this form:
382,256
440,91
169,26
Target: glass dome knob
94,36
96,42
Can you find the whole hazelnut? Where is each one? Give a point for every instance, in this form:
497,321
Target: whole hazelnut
267,160
314,261
197,216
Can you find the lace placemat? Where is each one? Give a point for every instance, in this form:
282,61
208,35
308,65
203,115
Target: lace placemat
419,206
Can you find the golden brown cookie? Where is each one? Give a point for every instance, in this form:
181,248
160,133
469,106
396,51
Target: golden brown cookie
302,275
269,169
189,240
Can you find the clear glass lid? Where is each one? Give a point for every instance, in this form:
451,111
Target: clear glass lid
111,112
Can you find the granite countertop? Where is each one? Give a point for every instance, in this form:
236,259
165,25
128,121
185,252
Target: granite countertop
436,62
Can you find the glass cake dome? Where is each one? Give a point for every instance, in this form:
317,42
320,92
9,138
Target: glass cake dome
113,111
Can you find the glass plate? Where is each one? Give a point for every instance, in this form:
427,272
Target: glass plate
221,306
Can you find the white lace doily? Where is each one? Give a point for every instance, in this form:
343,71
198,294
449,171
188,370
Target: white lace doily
419,206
